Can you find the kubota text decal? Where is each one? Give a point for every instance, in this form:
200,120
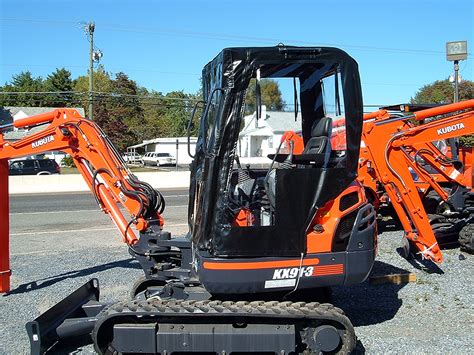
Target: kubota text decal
449,129
42,141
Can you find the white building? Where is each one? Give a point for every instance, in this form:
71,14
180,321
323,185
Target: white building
262,137
176,146
256,140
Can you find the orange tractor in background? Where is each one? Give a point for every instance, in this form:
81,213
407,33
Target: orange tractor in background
430,192
451,165
408,167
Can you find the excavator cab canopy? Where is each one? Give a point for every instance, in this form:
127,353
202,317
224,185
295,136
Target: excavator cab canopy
283,199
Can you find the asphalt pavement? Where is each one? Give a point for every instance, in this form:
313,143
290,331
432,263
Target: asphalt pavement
35,214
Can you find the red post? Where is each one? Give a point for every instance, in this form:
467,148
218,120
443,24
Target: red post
5,271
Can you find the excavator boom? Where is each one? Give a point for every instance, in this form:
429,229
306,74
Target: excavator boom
100,165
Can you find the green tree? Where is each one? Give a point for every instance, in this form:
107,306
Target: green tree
154,109
123,110
60,80
195,99
167,115
442,92
102,84
270,96
177,113
127,113
102,81
23,82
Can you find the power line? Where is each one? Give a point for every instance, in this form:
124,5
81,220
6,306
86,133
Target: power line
40,92
63,22
97,93
112,69
145,96
130,69
222,36
82,97
263,40
102,96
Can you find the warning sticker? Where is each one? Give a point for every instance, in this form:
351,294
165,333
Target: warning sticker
280,283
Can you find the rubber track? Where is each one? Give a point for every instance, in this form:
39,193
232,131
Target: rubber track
208,309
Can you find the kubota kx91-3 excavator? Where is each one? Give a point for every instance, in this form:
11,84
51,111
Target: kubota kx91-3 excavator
225,286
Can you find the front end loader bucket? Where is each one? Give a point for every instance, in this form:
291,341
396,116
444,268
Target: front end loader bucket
71,317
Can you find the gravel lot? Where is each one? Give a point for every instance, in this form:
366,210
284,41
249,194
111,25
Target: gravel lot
433,315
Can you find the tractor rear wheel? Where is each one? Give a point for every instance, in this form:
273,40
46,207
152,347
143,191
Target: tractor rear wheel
466,238
434,204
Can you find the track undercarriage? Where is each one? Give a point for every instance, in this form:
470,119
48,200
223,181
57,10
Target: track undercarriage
167,326
173,313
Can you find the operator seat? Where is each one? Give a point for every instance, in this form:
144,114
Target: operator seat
270,179
320,141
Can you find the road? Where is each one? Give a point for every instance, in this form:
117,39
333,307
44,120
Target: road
64,213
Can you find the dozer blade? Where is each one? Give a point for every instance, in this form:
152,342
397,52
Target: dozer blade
72,316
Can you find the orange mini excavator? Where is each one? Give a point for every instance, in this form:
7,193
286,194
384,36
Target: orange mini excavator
258,237
408,167
430,192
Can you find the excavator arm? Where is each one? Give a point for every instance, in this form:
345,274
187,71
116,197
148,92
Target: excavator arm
99,163
391,146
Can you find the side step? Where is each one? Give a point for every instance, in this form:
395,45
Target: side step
72,316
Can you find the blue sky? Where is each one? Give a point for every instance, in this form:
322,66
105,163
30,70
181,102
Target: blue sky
163,45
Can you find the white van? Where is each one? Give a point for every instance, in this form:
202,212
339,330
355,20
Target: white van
158,159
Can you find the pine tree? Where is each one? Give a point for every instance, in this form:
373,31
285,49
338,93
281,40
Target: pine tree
60,80
23,82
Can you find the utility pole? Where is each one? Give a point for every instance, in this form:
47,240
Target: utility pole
177,151
456,51
90,30
456,79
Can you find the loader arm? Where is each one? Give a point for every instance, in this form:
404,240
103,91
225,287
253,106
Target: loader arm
446,171
391,145
99,163
417,141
